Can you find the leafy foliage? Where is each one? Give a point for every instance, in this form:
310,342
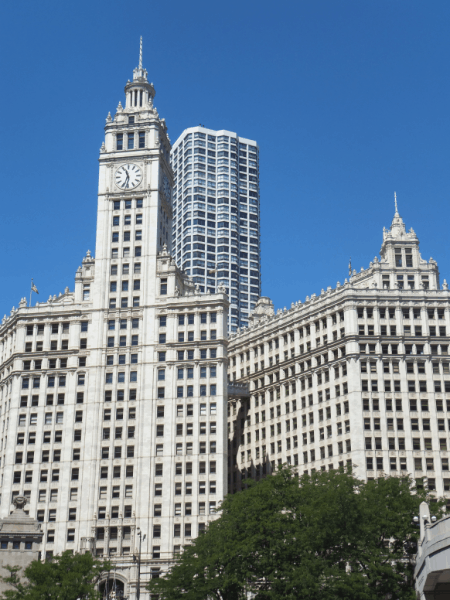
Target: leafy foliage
315,537
66,577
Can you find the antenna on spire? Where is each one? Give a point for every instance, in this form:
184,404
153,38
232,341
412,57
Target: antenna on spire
395,201
140,54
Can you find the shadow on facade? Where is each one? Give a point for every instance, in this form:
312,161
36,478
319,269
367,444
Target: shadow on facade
254,469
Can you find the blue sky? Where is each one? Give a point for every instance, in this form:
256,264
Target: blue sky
348,99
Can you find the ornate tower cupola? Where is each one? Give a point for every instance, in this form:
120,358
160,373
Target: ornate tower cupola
401,265
139,93
400,254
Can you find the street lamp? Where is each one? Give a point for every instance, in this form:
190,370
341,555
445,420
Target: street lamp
141,538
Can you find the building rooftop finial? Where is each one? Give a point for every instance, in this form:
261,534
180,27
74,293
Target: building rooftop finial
395,202
139,73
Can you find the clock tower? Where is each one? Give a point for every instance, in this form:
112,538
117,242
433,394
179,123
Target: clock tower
134,198
134,364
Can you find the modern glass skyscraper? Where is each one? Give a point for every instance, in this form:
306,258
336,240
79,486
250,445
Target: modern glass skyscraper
215,231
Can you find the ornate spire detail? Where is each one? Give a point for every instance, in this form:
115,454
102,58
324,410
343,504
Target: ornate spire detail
139,73
397,229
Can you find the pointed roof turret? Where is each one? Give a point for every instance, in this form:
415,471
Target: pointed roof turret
397,231
397,226
139,92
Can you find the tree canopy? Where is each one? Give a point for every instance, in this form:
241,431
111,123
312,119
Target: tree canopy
66,577
316,537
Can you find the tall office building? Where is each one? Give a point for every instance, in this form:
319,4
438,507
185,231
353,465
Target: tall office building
359,374
113,396
216,215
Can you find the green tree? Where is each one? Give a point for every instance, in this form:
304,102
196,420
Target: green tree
316,537
66,577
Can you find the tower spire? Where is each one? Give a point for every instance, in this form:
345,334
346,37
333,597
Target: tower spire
395,202
139,73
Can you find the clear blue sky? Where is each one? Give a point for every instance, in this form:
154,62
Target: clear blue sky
349,101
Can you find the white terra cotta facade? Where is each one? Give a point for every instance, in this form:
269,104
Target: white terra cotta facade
360,373
113,397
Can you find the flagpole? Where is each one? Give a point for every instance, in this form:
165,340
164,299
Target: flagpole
31,290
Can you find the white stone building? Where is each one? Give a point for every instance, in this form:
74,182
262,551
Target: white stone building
216,215
113,397
360,373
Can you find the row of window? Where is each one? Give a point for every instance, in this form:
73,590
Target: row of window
121,377
116,471
52,363
118,433
126,268
202,487
44,476
52,381
55,328
188,410
115,492
120,395
188,448
127,204
189,373
188,429
126,252
51,513
126,286
377,444
413,386
59,418
121,359
119,413
375,424
396,464
28,457
46,439
407,331
408,349
64,345
405,312
122,341
397,404
60,398
371,367
117,453
189,391
126,236
123,324
189,354
130,140
16,545
50,399
127,220
189,337
124,302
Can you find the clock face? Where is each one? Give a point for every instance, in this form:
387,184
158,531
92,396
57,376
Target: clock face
128,176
